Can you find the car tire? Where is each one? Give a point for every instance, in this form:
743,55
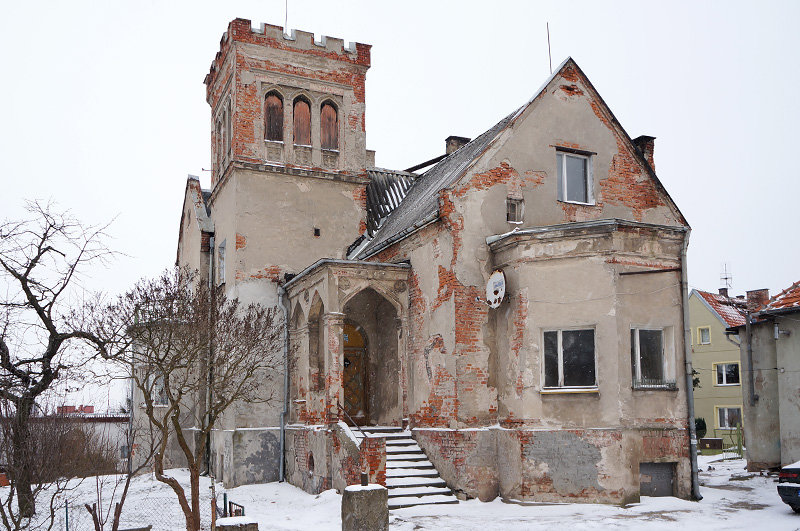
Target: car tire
795,508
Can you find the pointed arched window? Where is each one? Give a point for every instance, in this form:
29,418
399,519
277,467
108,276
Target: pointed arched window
302,122
273,117
329,126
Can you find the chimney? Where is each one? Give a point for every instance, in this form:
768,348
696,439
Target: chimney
454,142
646,145
756,299
723,292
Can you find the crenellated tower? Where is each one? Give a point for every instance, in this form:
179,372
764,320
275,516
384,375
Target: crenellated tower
288,100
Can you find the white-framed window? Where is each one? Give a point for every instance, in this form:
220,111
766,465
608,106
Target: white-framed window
704,335
158,393
569,359
727,373
649,367
728,417
514,210
574,172
221,263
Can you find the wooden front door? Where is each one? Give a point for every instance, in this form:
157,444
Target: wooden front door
355,374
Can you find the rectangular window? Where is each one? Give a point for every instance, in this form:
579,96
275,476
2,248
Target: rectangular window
514,210
569,359
729,417
158,393
574,178
648,363
704,335
727,373
221,263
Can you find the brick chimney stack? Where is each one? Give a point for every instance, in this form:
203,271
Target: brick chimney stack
452,143
723,292
646,144
756,299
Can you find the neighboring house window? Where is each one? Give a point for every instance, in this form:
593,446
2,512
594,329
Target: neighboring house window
729,417
704,335
221,263
514,210
158,394
273,117
727,373
329,126
302,122
574,177
569,358
648,363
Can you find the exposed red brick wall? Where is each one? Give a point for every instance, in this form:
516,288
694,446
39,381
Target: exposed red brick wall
373,459
241,241
272,273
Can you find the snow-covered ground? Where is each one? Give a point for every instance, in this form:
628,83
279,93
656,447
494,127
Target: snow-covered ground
732,499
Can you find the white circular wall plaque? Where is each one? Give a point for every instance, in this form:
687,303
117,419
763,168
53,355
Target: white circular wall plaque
496,288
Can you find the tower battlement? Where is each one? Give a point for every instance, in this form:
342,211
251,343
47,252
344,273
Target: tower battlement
303,42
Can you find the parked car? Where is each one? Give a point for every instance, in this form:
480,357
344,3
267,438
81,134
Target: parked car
789,485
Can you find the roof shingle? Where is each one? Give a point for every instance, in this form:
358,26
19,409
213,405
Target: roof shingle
787,299
730,309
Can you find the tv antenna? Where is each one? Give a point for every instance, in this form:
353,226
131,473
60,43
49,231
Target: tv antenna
725,277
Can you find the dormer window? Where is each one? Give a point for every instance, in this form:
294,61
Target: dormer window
574,171
329,126
273,117
302,122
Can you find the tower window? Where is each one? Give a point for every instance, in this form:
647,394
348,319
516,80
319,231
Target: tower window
302,122
273,117
330,126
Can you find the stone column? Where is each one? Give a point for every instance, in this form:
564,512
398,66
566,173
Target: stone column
334,327
365,508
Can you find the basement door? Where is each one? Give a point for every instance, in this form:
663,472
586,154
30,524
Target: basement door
656,479
355,374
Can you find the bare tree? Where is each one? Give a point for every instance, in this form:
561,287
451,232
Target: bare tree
193,354
41,335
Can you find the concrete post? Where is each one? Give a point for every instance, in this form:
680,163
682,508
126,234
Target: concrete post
365,508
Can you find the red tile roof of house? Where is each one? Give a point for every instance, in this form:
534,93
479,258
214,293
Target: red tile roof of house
788,299
732,310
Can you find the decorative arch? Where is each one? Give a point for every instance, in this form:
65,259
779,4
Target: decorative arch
301,112
273,116
329,125
390,297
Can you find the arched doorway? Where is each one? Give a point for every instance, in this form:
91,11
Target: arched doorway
371,372
354,375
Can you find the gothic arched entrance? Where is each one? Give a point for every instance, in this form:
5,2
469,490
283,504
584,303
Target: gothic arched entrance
354,374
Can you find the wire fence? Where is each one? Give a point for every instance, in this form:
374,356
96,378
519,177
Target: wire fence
158,511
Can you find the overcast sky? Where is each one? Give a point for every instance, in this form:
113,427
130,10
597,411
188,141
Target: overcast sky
105,106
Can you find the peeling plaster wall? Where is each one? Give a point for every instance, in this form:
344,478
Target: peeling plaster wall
788,347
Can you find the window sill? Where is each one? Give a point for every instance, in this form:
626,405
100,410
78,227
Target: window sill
514,222
655,388
728,385
328,150
273,141
302,146
569,390
577,202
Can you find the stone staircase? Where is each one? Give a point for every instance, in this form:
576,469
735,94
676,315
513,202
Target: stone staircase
410,477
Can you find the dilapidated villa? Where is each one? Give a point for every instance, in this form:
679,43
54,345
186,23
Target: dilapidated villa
566,381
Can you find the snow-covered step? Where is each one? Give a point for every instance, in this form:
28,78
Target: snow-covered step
416,472
411,501
401,449
391,463
411,456
417,491
411,481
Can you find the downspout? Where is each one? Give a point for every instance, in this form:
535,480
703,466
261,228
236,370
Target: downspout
282,302
687,347
751,386
207,456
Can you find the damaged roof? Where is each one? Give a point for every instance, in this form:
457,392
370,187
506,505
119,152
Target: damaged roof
786,301
421,202
731,311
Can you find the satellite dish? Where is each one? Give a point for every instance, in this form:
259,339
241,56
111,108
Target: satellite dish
496,288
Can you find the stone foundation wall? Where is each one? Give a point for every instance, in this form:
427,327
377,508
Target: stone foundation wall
583,465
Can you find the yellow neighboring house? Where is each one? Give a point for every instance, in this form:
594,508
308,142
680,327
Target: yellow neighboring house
715,357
